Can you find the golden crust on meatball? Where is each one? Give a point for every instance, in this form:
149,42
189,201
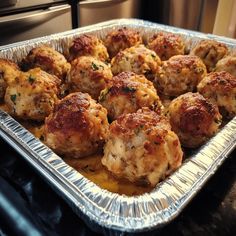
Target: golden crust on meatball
142,148
166,45
194,119
88,45
77,127
180,74
210,51
137,59
48,59
32,95
88,75
220,88
227,64
8,72
127,92
120,39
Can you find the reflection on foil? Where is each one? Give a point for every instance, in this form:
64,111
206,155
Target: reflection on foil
109,210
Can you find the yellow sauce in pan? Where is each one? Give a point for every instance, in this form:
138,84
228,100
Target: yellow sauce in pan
91,167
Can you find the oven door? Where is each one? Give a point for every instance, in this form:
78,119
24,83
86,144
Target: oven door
94,11
27,25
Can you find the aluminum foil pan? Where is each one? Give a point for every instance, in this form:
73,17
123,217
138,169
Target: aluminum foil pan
101,209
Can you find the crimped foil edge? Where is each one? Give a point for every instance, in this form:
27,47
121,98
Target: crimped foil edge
110,210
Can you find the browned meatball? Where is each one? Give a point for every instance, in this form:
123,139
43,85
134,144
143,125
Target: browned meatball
180,74
88,45
48,59
77,127
220,88
194,119
32,95
8,72
127,92
89,75
120,39
227,64
137,59
210,51
142,148
166,45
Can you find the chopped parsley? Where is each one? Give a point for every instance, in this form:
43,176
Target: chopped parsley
31,79
128,90
198,70
138,129
217,121
103,94
147,72
94,66
107,62
13,98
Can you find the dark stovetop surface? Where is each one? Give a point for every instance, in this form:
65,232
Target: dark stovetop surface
23,193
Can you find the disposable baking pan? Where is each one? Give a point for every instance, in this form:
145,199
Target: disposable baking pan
101,209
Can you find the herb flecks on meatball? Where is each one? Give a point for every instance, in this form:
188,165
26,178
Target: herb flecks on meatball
88,45
77,127
32,95
48,59
127,92
220,88
166,45
88,75
120,39
142,148
180,74
210,51
137,59
194,119
8,72
227,64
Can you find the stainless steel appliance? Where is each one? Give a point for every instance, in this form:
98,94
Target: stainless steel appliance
27,19
94,11
196,15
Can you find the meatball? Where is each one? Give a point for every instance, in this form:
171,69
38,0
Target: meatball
166,45
8,72
48,59
88,45
142,148
210,51
137,59
120,39
77,127
127,92
194,119
180,74
89,75
220,88
227,64
32,95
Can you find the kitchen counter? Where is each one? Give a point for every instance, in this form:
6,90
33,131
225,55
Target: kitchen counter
211,212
